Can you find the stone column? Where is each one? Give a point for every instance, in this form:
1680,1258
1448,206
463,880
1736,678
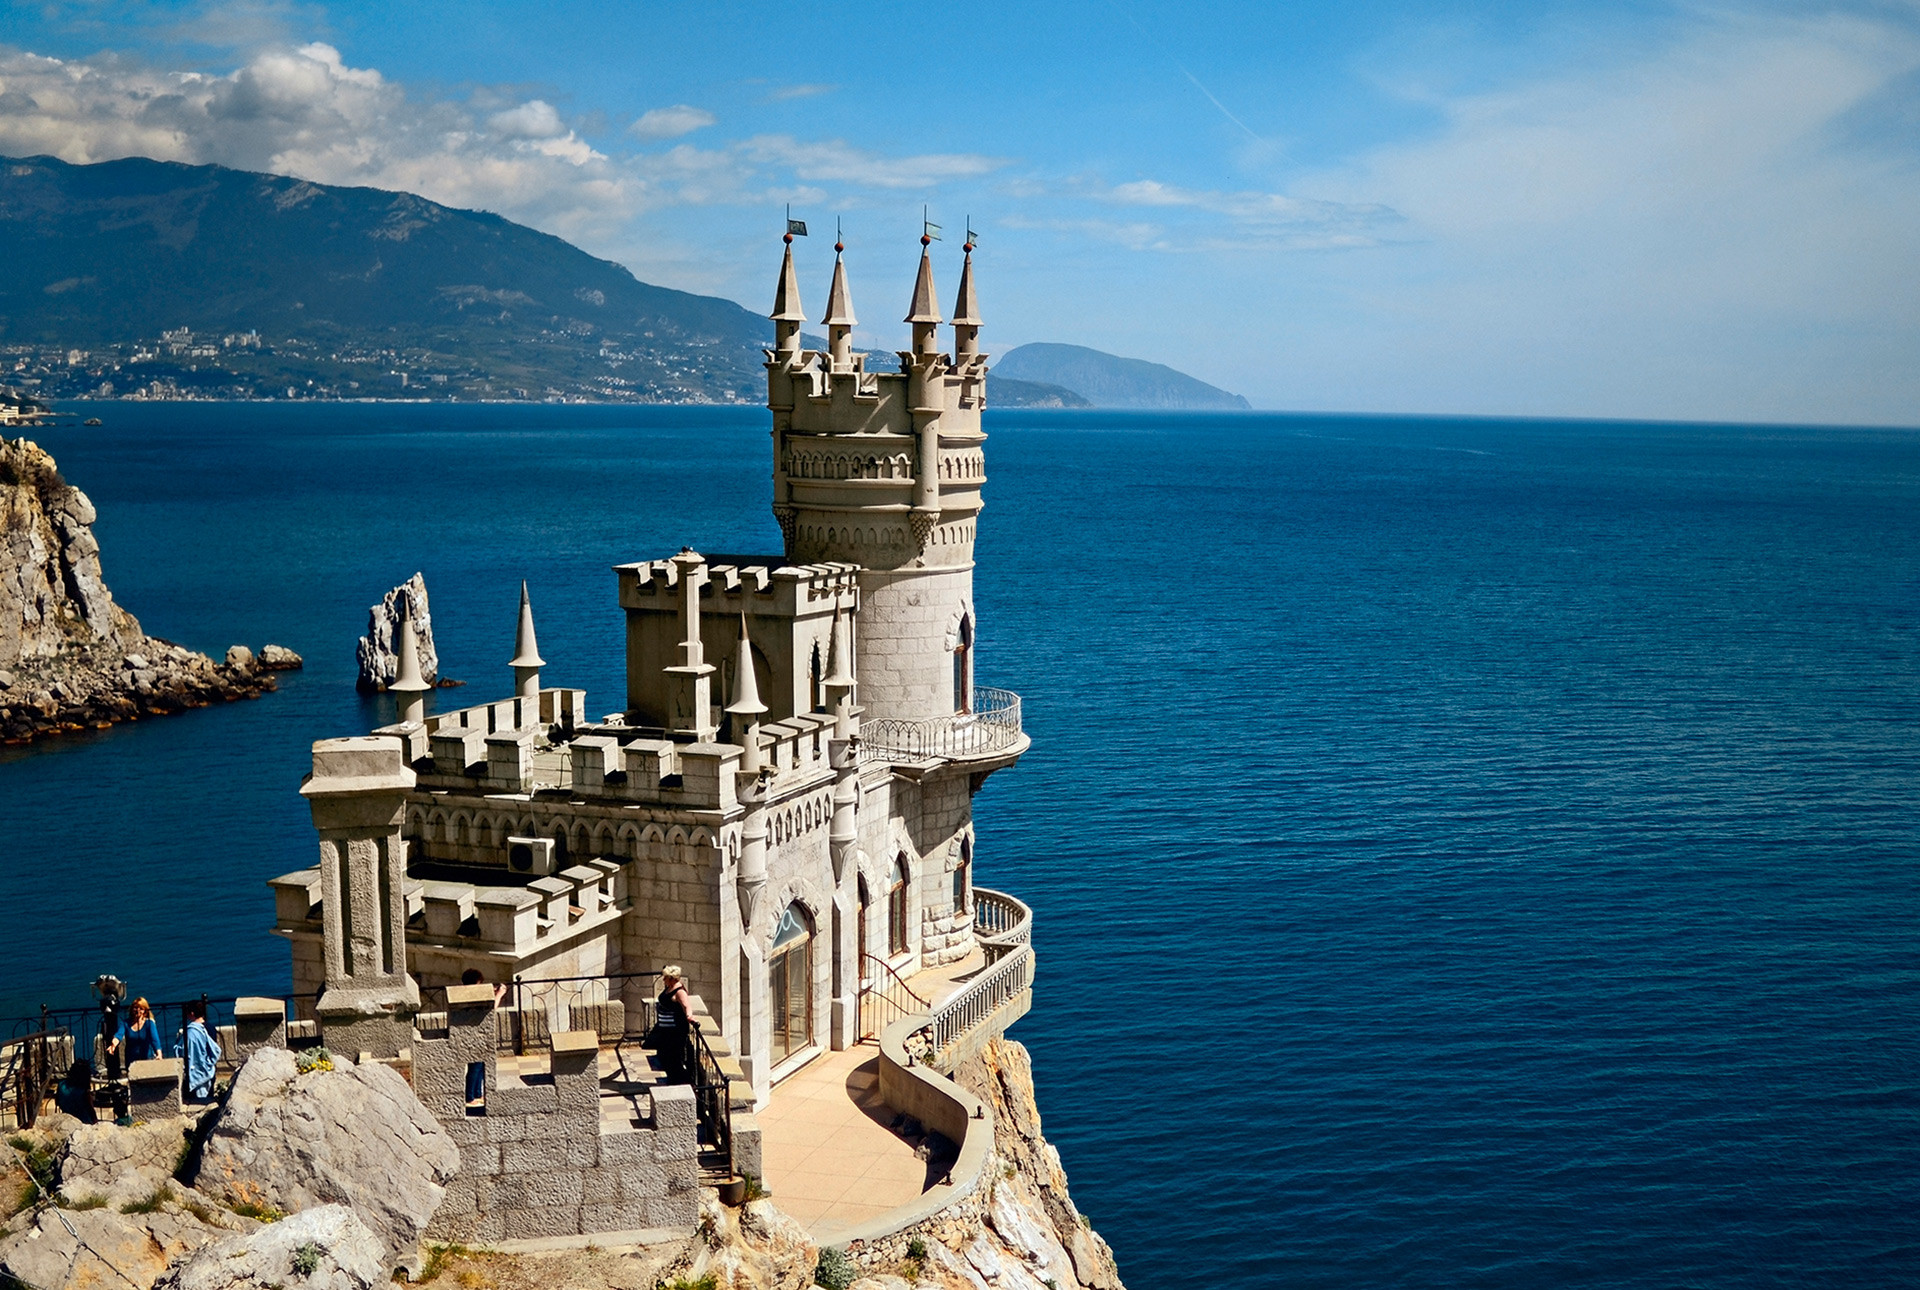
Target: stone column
693,677
358,794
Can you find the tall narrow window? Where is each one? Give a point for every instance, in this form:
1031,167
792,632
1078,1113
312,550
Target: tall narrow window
962,876
790,983
963,667
897,909
864,947
816,701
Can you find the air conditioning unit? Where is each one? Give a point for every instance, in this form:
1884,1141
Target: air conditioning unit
531,857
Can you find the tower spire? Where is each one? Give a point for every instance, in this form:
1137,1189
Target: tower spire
746,707
526,662
787,313
925,314
839,321
407,681
966,308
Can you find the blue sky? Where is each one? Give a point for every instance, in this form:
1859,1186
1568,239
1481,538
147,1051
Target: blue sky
1641,209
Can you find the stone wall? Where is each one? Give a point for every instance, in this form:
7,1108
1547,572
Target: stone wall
536,1159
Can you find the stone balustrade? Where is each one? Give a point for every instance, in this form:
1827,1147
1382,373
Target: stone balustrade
1001,923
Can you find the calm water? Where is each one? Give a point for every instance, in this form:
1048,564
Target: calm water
1465,853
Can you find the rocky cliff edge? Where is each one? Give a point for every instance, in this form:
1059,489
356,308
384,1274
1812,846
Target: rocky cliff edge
70,658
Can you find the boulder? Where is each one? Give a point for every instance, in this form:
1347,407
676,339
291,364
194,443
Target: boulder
121,1165
239,656
378,666
354,1135
278,658
327,1248
80,1249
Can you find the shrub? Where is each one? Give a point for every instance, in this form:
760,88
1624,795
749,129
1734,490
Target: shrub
917,1250
249,1209
835,1270
306,1259
314,1059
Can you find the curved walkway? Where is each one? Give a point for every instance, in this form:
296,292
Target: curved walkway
832,1157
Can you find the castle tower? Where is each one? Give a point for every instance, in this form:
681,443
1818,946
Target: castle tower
884,470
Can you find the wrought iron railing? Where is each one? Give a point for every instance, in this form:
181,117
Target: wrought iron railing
983,996
993,726
1001,923
713,1106
884,997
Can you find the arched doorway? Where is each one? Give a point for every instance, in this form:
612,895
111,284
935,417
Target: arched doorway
790,983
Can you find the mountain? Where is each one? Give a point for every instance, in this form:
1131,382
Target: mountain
1005,392
1107,381
278,282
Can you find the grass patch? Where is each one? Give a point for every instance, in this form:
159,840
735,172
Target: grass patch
91,1202
200,1211
438,1256
152,1204
306,1259
249,1209
706,1282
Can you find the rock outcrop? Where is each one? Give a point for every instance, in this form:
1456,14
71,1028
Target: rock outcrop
327,1248
355,1135
378,666
71,658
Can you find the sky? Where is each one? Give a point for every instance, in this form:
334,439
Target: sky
1620,208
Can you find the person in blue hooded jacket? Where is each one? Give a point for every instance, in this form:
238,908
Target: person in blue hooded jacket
203,1055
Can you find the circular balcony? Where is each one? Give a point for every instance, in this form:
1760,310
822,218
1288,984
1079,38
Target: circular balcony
990,731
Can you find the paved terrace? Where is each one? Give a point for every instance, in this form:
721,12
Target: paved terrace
833,1157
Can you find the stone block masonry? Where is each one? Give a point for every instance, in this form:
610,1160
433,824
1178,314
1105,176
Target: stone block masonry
535,1159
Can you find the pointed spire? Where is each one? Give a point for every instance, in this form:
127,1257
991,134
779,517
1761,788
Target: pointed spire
839,301
407,681
966,308
746,690
925,310
526,653
837,655
786,296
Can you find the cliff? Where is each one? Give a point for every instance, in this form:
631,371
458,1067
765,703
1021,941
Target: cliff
1024,1233
70,657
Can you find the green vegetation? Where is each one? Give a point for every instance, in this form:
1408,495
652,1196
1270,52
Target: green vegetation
306,1259
835,1270
313,1059
438,1257
152,1204
706,1282
252,1209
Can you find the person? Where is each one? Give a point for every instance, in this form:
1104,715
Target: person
673,1026
203,1055
141,1033
477,1071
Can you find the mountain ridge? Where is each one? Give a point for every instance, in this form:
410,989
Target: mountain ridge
1110,381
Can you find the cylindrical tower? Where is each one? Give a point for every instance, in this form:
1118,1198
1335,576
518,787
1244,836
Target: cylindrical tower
885,470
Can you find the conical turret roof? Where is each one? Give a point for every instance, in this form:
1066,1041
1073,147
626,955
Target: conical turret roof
839,300
837,656
925,310
526,653
786,297
966,308
746,689
406,662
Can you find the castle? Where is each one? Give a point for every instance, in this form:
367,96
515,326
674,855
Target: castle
783,803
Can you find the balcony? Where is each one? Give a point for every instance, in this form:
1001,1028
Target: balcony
991,730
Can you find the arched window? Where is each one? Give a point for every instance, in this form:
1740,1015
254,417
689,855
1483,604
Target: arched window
790,983
862,946
963,876
897,909
816,701
963,667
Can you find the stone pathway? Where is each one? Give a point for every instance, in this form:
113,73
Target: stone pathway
832,1158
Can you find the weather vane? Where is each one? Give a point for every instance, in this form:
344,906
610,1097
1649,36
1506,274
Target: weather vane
795,227
973,238
929,231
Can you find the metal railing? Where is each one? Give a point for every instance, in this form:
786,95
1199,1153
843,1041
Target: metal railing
992,726
713,1106
1001,923
982,997
31,1067
884,997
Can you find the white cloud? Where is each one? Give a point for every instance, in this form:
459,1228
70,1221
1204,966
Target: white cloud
832,161
534,119
671,122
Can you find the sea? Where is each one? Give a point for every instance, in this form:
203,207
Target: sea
1463,852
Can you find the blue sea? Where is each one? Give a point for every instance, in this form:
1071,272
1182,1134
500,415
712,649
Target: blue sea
1465,852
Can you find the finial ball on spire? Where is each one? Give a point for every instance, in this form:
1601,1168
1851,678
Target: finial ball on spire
787,238
838,247
925,240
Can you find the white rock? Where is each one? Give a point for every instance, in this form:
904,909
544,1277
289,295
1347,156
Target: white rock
337,1249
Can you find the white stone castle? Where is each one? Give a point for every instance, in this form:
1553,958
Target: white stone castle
783,804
